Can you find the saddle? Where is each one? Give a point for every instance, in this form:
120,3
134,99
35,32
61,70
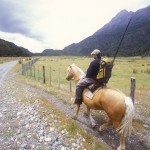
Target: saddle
92,89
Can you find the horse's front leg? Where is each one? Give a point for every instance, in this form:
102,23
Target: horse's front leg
77,112
91,118
105,125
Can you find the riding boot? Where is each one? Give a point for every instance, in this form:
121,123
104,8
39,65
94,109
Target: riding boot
78,101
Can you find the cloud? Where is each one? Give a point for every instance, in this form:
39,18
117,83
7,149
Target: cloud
31,44
16,17
57,23
11,19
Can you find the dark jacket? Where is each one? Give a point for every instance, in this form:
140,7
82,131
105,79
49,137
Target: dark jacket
93,69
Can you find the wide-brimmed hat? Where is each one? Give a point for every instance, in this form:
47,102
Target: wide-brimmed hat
96,52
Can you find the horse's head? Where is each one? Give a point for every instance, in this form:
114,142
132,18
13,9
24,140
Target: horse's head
70,73
74,73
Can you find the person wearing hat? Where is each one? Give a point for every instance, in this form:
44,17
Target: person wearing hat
90,77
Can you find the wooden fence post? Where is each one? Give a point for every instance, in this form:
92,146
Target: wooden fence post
58,77
38,74
133,85
44,81
70,85
50,76
34,72
22,69
30,71
27,71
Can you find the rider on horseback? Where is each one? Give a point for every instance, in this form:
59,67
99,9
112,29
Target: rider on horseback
90,77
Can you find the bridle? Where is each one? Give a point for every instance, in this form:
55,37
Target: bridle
71,75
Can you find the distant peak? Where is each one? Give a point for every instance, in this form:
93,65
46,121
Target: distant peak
123,12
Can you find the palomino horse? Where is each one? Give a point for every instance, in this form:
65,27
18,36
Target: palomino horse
118,107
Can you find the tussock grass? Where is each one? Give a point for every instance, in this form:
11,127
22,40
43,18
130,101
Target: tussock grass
138,124
7,59
7,133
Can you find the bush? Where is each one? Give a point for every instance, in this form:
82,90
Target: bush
148,70
135,71
20,61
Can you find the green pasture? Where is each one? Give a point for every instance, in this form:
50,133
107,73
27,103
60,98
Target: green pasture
123,70
7,59
20,59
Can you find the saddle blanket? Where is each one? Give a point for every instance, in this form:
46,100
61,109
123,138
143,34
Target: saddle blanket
89,94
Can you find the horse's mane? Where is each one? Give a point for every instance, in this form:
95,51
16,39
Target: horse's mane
79,69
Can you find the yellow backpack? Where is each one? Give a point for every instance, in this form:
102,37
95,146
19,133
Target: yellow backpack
105,69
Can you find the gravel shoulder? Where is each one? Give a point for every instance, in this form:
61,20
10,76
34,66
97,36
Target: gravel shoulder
24,125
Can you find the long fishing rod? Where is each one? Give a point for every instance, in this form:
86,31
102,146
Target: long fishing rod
121,40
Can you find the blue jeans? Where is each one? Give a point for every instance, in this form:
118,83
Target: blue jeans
81,85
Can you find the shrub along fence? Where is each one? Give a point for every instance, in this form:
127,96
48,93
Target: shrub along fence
51,76
28,65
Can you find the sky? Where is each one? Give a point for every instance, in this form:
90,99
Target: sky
55,24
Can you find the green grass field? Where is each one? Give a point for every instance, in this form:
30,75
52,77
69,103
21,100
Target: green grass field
123,70
7,59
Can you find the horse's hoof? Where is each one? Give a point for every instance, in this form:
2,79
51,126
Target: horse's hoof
93,125
85,114
74,117
119,148
100,129
72,99
72,106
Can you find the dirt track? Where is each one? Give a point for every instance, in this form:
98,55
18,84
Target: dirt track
109,136
5,68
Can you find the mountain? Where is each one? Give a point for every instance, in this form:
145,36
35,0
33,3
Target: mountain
26,51
48,52
136,40
9,49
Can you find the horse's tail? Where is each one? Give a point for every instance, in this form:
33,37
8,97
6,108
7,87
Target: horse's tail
126,123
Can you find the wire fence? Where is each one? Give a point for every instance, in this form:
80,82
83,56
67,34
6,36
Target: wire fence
28,65
45,74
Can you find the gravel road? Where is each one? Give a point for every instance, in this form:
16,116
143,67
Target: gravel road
5,68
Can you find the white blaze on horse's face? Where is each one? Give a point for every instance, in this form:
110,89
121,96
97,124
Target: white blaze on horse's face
69,73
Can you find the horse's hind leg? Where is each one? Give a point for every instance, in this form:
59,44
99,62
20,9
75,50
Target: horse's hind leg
116,124
105,125
91,118
92,121
122,143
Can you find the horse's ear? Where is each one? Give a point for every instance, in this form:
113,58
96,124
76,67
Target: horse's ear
70,65
73,64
